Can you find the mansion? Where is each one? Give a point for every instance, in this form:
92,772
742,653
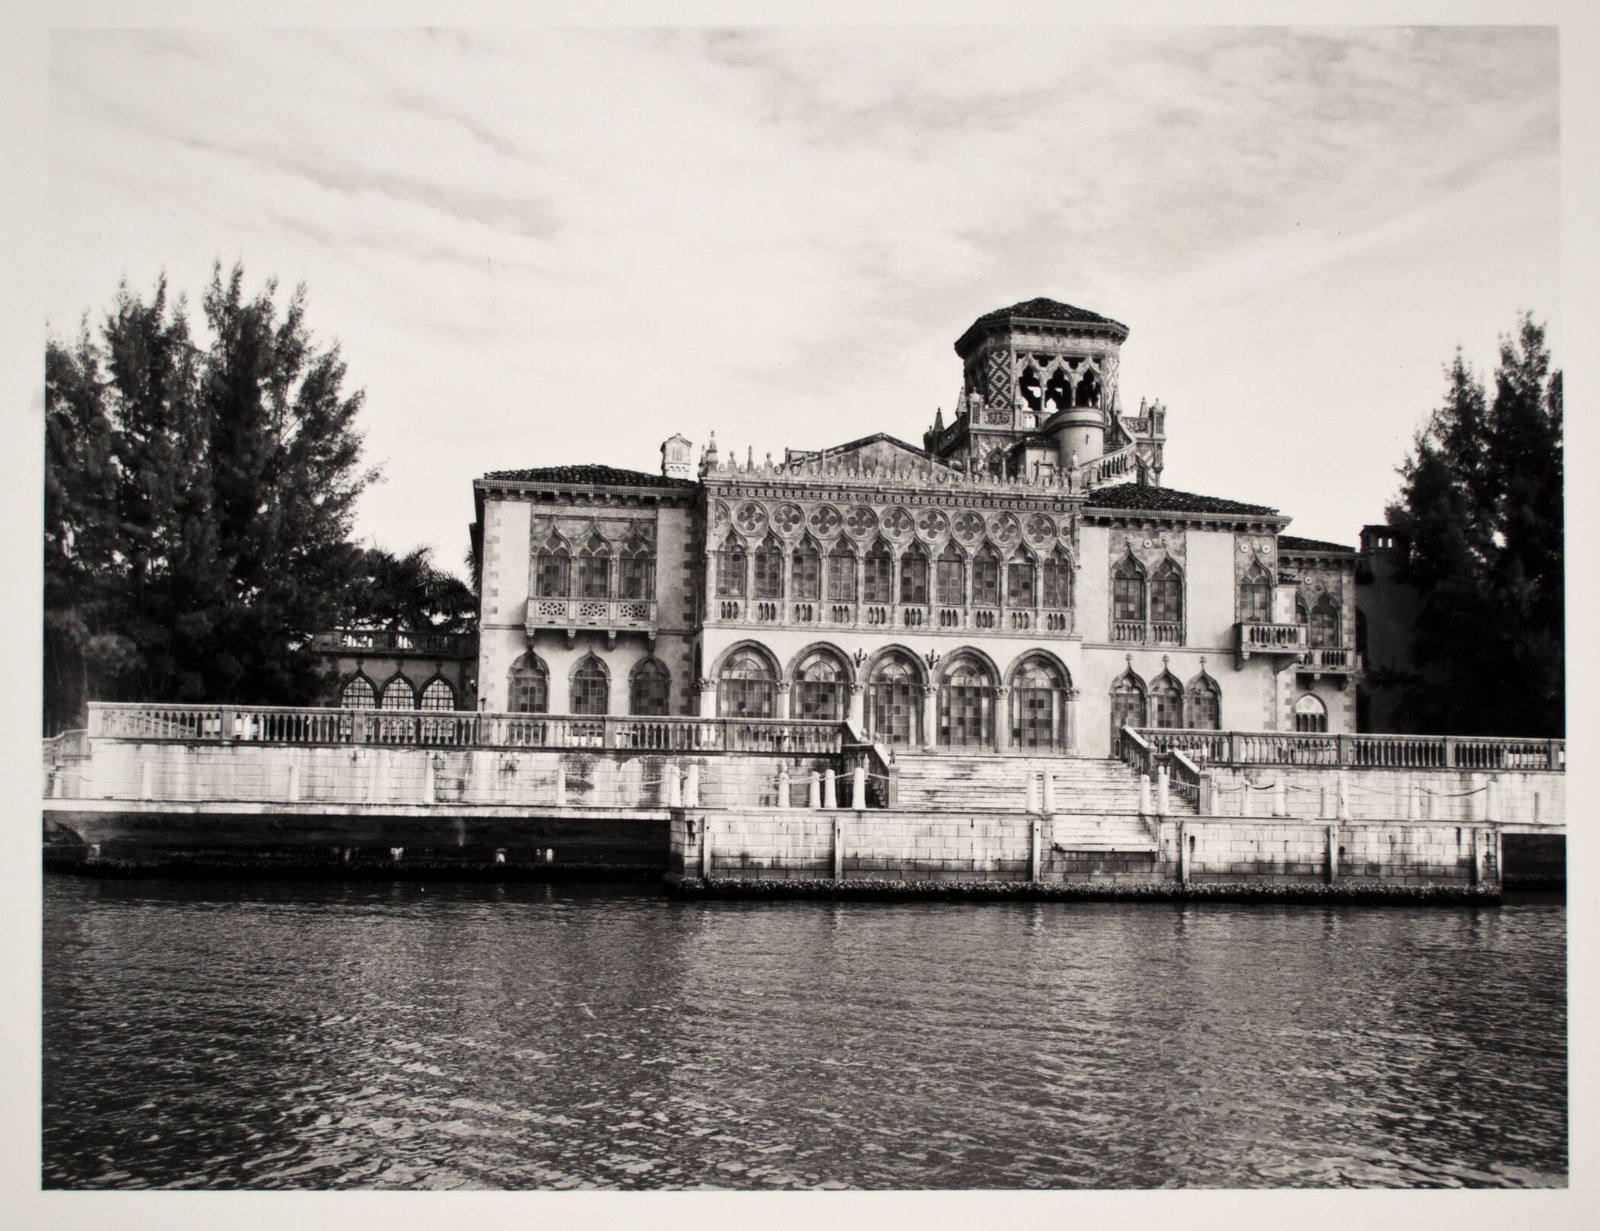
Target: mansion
1020,581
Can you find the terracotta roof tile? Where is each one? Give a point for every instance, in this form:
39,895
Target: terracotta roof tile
589,474
1167,500
1288,542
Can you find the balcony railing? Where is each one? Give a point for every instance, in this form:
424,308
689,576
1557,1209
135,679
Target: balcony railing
1258,638
918,616
1147,632
609,613
1359,751
383,641
1329,660
277,725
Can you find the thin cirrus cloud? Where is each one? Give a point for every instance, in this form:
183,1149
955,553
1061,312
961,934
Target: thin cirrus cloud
563,245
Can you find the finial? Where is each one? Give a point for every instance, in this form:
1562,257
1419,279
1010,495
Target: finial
1129,659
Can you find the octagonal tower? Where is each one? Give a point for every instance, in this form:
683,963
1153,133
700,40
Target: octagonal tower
1044,369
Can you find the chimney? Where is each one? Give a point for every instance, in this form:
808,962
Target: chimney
675,452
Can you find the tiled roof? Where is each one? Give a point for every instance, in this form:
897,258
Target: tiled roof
1288,542
1042,309
589,474
1167,500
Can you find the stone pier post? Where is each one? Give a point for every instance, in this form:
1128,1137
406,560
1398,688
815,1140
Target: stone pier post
294,784
561,784
830,793
1033,848
427,779
1033,792
838,849
930,716
1280,798
1048,783
783,787
1183,852
1163,791
1344,795
783,699
858,787
1144,795
858,709
705,848
1333,854
814,791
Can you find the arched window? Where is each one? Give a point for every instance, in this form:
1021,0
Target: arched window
1021,579
1166,601
951,577
1039,695
358,694
1031,385
594,569
986,577
1127,704
528,686
894,701
438,695
878,574
1166,701
1057,580
1310,714
745,686
649,688
591,687
841,573
398,695
1058,391
636,570
1127,593
731,568
805,571
1302,614
966,704
553,569
914,575
1088,388
769,569
819,683
1324,622
1205,704
1255,596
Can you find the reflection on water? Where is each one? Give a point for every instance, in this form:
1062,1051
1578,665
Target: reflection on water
400,1035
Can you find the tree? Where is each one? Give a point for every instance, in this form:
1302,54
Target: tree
1480,510
198,503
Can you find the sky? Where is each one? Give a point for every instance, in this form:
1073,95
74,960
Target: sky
541,246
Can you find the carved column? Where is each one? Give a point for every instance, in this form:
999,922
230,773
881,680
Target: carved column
710,586
708,697
783,699
1071,708
858,722
1002,718
930,717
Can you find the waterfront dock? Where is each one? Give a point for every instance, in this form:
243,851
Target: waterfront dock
714,802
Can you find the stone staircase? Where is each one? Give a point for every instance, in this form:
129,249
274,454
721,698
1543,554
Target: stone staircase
1096,804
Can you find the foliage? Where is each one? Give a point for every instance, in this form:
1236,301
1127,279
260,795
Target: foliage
1480,510
198,506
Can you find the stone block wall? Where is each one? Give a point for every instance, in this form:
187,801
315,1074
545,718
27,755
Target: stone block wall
1235,851
1520,797
380,775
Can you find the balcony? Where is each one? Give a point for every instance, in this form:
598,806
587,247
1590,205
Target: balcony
1337,661
1147,632
608,615
1287,641
365,641
915,617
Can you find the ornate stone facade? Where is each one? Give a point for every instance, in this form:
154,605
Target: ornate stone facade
925,596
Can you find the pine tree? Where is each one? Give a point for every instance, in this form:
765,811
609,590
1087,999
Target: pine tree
198,503
1481,509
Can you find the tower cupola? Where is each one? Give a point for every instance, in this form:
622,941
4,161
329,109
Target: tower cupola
1043,367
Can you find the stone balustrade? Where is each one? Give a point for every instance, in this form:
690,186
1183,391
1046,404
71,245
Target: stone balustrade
397,642
279,725
1359,751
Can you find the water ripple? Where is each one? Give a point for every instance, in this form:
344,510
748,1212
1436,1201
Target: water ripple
402,1036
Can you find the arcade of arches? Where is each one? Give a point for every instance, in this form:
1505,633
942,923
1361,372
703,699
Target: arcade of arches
961,701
